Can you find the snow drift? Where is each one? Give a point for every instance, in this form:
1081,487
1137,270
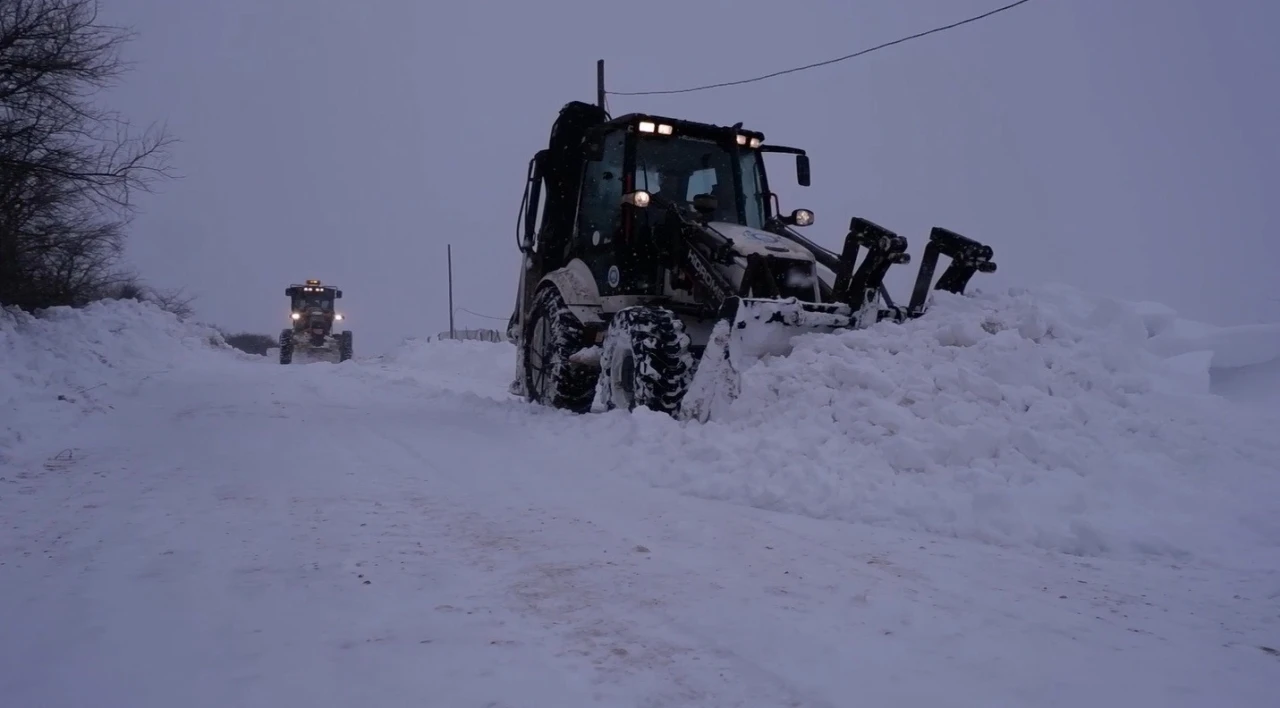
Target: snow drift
67,362
1047,420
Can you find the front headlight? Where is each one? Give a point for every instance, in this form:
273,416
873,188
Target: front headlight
296,315
337,316
638,198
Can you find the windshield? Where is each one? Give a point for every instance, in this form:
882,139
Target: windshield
307,301
684,168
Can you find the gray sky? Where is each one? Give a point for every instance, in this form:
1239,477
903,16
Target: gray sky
1127,146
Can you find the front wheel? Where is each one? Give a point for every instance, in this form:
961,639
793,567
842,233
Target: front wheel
645,362
346,348
286,346
552,335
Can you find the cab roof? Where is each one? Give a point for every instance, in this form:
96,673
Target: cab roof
682,127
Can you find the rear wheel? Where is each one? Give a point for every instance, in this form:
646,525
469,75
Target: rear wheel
645,362
553,334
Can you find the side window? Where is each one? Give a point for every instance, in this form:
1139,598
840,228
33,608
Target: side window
602,194
701,182
716,182
533,227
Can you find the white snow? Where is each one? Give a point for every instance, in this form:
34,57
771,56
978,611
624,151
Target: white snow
72,362
1039,421
1031,499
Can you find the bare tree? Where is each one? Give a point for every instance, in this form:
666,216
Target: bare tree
69,168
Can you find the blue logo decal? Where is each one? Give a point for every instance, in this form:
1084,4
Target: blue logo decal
761,236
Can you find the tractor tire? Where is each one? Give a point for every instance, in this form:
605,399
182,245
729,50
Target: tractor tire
286,346
553,334
645,362
345,346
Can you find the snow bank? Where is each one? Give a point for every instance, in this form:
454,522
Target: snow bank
1047,420
1196,350
470,366
67,362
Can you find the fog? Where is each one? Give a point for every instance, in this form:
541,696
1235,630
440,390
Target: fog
1124,147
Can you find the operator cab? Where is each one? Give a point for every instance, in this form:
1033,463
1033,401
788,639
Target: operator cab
643,174
712,171
312,296
625,196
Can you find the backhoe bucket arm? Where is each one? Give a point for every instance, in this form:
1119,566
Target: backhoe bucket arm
967,257
860,289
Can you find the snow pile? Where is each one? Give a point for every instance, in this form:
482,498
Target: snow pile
1195,350
67,362
1046,421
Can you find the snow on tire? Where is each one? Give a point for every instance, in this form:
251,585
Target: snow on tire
645,361
552,336
286,346
346,346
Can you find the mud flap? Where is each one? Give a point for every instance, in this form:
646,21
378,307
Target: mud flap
749,330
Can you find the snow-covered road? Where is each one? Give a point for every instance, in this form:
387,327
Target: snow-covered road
243,534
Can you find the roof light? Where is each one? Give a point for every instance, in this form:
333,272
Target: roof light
647,126
755,142
664,129
742,139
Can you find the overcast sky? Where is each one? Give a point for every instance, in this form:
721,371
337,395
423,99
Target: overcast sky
1127,146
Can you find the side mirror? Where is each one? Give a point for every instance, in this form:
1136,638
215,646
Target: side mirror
802,170
288,292
799,217
338,294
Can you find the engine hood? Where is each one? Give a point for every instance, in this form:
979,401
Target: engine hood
748,241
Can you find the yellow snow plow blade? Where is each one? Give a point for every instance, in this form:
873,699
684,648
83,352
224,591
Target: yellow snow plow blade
748,330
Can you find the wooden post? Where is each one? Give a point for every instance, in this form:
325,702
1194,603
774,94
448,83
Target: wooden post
449,257
600,83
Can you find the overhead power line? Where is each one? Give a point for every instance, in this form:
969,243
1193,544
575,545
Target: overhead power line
918,35
477,314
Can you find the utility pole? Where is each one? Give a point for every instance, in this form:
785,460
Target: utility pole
449,260
600,83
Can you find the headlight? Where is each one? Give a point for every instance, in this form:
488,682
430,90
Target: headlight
337,316
639,198
296,316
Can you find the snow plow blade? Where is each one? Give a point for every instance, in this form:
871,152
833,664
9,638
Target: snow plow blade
750,329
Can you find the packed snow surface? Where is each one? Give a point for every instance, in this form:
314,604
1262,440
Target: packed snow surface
1032,499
